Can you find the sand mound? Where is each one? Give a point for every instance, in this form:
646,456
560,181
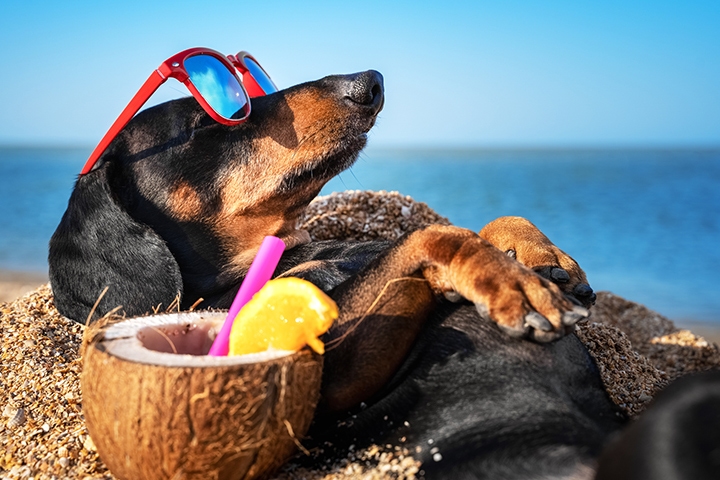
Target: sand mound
639,351
42,430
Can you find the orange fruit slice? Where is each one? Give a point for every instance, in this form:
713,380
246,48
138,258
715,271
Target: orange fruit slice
286,314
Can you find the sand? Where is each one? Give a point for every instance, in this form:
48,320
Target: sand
42,431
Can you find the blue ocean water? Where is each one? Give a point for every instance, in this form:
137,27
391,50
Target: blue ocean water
644,224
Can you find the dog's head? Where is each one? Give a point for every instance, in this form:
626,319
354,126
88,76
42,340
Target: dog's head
209,192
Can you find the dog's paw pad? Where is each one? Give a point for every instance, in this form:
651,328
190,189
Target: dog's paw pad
483,310
559,275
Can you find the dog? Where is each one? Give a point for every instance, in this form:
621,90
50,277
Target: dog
453,344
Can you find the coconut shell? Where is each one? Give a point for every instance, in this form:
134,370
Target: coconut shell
159,415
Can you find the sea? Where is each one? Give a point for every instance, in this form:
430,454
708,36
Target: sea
643,223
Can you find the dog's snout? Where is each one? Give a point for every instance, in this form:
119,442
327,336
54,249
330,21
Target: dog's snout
365,89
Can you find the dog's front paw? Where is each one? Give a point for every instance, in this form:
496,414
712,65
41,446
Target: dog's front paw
521,302
524,242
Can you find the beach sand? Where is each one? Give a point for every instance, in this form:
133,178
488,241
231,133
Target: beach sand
42,430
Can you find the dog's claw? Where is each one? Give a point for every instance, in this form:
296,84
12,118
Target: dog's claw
482,310
582,311
585,294
452,296
515,332
577,314
538,322
559,275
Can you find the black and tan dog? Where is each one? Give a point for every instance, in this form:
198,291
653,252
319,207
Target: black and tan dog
178,205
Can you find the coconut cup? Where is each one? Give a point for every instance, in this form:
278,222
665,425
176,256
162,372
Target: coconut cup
157,406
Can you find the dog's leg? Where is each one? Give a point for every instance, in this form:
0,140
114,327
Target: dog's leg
383,308
523,241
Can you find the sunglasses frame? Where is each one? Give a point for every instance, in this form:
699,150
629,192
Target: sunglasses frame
174,67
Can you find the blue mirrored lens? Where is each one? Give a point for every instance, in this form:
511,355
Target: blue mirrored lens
260,76
219,87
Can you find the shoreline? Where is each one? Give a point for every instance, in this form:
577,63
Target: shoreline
14,284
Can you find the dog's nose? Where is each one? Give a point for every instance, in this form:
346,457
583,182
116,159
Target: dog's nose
365,89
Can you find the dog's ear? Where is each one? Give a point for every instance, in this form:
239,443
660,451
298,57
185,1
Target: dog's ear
97,245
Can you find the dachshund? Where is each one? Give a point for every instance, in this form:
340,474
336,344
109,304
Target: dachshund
456,345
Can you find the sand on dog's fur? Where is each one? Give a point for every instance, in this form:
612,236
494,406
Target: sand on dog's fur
42,430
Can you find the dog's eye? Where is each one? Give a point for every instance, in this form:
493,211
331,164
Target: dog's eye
510,253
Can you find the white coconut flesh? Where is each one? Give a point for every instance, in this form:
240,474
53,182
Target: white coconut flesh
175,340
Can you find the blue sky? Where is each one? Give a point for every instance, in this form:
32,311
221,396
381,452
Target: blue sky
476,73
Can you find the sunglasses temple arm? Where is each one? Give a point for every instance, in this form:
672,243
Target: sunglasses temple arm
148,88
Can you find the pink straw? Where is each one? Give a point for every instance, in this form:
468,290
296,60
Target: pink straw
261,269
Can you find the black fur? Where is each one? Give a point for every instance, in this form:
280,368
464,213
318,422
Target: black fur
678,438
96,217
478,404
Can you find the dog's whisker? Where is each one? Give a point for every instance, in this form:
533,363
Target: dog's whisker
356,178
181,92
342,180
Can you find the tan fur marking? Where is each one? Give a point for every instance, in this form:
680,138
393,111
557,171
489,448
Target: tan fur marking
304,267
317,122
184,202
250,206
532,247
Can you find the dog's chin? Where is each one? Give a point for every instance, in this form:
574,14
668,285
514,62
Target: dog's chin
342,157
336,159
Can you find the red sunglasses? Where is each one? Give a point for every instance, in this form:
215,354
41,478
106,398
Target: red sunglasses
212,79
